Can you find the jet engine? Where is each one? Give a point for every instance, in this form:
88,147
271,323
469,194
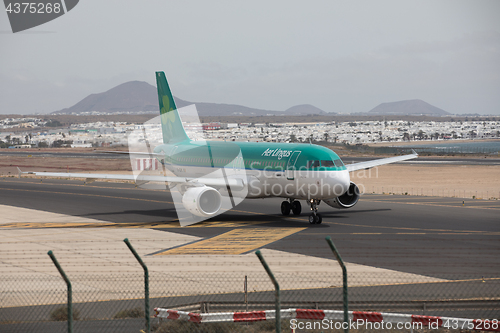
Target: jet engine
346,200
202,201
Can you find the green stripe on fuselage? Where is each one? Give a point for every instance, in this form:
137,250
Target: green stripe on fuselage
254,155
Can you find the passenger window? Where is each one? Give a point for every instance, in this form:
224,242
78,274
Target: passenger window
327,164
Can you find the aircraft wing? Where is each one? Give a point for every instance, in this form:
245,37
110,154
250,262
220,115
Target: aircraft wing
131,153
216,182
382,161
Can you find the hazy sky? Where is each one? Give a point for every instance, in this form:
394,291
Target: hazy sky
342,56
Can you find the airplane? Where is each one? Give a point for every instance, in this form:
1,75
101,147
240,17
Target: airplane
292,171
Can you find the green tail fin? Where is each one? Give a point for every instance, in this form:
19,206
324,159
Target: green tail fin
171,124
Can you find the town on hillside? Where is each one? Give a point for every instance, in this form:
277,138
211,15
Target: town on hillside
33,132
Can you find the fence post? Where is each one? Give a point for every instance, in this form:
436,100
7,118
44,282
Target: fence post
246,294
276,288
344,278
146,285
70,291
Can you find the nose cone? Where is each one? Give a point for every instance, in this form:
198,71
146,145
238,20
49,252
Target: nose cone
340,181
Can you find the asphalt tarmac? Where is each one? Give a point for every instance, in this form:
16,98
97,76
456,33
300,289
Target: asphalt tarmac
433,236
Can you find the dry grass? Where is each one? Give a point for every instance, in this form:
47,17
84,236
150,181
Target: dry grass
431,180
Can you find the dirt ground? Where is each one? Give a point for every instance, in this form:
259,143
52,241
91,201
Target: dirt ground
9,164
463,181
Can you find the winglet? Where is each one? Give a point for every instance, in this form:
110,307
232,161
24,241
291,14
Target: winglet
414,152
19,172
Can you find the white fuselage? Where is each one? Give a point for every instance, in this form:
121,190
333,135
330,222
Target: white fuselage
297,184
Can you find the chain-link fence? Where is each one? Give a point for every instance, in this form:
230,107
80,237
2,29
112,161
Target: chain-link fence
227,293
115,302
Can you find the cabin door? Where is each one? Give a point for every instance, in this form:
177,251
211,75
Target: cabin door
290,167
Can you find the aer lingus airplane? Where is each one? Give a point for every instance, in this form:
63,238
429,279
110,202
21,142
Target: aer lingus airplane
293,171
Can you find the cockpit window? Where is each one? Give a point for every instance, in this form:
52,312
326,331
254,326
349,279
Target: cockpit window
327,164
312,164
338,163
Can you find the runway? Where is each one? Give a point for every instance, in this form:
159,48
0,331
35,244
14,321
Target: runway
422,235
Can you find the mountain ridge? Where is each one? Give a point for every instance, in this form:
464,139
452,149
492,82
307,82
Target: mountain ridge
140,96
409,107
137,96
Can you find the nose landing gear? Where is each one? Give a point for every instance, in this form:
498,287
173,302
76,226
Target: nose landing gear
315,217
291,205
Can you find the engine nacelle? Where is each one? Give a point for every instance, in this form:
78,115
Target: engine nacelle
202,201
346,200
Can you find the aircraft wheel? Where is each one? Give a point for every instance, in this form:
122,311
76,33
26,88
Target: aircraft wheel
315,219
285,208
296,208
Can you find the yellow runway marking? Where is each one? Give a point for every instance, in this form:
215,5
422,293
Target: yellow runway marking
36,225
457,232
147,225
221,224
423,201
207,224
236,241
88,186
87,195
411,233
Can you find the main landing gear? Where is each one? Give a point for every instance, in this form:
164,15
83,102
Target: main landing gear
315,217
291,205
294,206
